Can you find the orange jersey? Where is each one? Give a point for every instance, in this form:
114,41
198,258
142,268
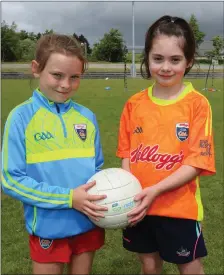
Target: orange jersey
158,136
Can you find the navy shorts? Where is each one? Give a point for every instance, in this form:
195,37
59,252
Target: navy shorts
177,241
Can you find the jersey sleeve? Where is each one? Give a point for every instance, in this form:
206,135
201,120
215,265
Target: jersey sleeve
123,148
15,182
201,144
99,159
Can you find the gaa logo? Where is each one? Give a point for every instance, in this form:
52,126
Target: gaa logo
182,131
45,243
43,136
81,131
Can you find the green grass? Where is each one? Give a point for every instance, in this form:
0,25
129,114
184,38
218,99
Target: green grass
107,105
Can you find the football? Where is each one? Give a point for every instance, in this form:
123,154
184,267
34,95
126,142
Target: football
120,187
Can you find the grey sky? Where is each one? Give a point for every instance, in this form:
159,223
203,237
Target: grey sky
93,19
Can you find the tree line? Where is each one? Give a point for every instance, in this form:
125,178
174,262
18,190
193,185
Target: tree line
20,45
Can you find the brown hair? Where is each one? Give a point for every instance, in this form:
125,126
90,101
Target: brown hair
58,43
170,26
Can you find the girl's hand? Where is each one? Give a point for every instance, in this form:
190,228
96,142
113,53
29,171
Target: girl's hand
83,202
147,196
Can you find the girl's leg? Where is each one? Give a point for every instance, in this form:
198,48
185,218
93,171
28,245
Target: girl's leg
49,256
48,268
83,248
151,263
181,242
194,267
81,263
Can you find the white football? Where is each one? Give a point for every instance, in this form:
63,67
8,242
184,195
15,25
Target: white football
106,78
120,187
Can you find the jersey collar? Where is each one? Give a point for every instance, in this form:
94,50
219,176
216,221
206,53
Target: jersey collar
51,105
188,88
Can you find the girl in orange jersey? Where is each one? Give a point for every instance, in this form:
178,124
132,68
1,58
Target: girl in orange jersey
166,141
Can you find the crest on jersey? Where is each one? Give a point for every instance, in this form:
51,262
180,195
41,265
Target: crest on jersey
182,131
45,243
81,131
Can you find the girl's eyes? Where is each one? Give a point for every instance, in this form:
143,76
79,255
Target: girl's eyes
75,77
159,59
58,76
175,60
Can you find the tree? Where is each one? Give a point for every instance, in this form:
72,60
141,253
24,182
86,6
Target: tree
82,39
23,35
110,47
199,35
76,37
27,47
32,36
38,36
218,44
48,31
9,42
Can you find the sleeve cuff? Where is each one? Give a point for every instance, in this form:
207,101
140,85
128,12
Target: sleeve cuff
70,198
125,154
206,169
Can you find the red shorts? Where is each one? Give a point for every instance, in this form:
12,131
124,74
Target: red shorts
61,250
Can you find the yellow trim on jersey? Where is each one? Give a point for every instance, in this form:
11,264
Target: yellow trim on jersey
32,197
34,218
198,200
60,154
208,128
70,198
164,102
208,125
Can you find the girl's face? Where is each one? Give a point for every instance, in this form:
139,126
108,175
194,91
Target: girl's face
167,63
61,76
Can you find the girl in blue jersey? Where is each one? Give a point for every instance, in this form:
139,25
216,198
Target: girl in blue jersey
51,148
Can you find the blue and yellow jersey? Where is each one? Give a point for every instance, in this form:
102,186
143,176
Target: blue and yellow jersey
48,150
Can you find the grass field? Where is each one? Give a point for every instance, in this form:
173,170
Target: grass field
107,105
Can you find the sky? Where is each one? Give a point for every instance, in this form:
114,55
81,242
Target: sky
94,19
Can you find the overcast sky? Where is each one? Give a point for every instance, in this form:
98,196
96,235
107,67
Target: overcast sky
93,19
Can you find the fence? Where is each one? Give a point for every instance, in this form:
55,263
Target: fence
111,75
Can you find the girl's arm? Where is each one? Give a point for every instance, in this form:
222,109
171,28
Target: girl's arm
125,164
17,184
180,177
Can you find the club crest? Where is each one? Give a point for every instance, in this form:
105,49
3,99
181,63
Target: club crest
81,130
182,131
45,243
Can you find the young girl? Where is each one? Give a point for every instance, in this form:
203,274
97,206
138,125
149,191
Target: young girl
166,141
51,148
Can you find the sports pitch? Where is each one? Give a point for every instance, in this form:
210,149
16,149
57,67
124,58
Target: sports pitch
107,105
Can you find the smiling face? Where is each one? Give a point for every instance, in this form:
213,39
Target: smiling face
167,63
60,77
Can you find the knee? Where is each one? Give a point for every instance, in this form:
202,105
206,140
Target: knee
151,267
194,267
146,269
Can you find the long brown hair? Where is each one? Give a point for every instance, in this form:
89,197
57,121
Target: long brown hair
170,26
